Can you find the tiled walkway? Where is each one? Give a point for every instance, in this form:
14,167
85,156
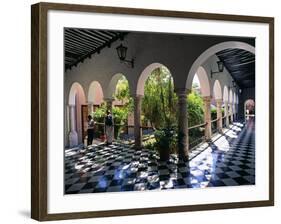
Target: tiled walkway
228,161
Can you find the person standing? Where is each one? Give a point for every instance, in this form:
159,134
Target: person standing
90,130
108,123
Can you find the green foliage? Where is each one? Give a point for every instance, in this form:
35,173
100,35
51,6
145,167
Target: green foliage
122,92
166,141
159,102
195,109
150,144
99,114
213,113
120,115
98,117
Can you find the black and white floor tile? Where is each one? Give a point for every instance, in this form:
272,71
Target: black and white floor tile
229,160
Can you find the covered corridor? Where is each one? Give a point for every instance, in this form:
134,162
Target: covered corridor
227,160
204,141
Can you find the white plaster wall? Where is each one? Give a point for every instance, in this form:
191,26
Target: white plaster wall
224,78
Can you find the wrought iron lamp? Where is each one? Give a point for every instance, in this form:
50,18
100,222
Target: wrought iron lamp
220,68
122,52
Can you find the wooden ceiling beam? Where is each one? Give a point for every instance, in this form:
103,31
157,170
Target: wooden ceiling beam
93,38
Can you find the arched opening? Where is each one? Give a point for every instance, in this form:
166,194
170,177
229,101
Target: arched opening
76,101
234,106
159,96
199,108
249,110
157,109
217,110
95,95
213,50
122,109
144,75
225,120
118,101
230,101
217,90
111,88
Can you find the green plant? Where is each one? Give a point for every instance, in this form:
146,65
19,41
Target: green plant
159,96
166,142
195,109
98,116
120,115
213,113
150,144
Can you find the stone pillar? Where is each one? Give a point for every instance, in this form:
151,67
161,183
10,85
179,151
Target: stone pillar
109,102
231,112
226,114
219,115
183,138
137,121
237,106
90,108
73,137
207,117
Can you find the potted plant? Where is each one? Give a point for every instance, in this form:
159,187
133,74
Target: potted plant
165,142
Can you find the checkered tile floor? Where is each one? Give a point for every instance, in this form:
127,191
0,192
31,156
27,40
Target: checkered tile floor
228,161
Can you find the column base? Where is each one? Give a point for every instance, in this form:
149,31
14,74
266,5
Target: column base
73,139
138,146
184,158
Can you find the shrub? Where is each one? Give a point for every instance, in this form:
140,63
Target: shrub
166,142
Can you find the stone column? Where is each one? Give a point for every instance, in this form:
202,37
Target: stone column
73,137
219,115
90,108
207,117
236,105
226,114
183,138
231,112
109,102
234,111
137,121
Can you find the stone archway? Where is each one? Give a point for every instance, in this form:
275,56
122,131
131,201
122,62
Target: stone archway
75,101
144,75
226,108
205,90
95,96
213,50
230,101
138,95
95,93
217,90
217,94
110,90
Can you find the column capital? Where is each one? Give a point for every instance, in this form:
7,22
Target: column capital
219,100
137,96
182,91
71,105
207,98
109,99
90,103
